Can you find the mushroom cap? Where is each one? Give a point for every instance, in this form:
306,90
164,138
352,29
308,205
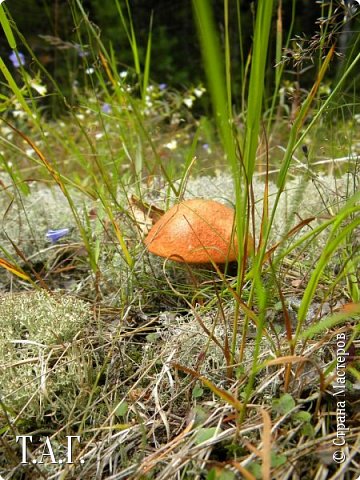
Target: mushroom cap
195,231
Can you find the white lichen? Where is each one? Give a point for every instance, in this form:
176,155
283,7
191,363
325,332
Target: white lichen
38,361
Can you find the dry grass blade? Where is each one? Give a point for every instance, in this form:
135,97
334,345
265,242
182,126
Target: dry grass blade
153,459
266,447
230,399
41,156
292,232
245,473
14,269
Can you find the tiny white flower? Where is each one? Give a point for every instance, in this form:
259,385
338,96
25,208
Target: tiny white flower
199,91
36,84
6,131
89,71
123,74
171,145
148,101
189,101
19,114
29,152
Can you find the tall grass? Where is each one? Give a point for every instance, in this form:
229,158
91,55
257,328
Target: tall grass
244,160
130,116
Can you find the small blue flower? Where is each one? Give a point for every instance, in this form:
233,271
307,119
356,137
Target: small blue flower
162,86
80,50
17,59
106,108
55,235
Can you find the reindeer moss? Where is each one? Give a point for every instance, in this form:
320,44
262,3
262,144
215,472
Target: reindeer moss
39,356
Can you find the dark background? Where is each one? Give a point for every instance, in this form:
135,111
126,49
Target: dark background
175,53
176,58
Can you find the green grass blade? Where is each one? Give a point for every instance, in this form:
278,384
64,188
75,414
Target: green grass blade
215,73
337,236
256,84
146,74
330,322
15,89
227,57
7,28
130,33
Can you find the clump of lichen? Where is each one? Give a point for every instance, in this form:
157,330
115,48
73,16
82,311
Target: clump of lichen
40,341
42,317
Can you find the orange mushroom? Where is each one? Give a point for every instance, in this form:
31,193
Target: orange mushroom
195,231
